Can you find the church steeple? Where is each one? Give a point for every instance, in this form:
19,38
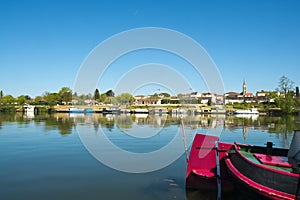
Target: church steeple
244,87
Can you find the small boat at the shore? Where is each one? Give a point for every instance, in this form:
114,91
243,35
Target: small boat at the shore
265,172
251,111
76,110
111,111
141,110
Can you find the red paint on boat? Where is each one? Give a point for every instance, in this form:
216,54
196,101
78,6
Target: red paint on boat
266,181
201,171
263,190
252,185
264,167
272,160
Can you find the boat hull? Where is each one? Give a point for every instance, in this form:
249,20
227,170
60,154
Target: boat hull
76,110
263,181
202,165
110,111
251,111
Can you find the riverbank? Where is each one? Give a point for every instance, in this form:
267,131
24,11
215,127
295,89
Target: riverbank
155,108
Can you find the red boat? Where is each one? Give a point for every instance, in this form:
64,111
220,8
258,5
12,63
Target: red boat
267,172
202,171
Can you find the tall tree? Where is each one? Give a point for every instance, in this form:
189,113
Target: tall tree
65,94
52,98
285,85
96,94
1,94
102,97
125,98
297,99
285,100
38,100
21,99
8,99
110,93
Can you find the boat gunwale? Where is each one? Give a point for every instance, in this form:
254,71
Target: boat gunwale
262,166
263,190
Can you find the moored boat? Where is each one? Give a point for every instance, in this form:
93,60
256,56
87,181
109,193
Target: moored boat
76,110
202,171
251,111
88,110
111,111
266,171
141,110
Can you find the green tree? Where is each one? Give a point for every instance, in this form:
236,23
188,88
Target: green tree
21,99
285,85
272,95
166,94
1,94
38,100
96,94
8,99
110,100
155,96
65,94
102,98
110,93
209,103
125,99
285,100
52,98
297,99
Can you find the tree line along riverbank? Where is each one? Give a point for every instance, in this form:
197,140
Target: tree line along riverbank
167,109
285,101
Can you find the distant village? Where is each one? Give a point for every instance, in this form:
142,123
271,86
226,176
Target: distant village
208,98
206,102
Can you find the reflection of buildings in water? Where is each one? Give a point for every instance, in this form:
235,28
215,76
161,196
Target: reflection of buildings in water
141,118
141,115
178,112
109,117
212,121
76,115
204,123
240,121
191,121
158,120
218,121
247,116
29,115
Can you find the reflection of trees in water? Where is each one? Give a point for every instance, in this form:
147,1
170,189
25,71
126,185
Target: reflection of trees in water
106,121
283,126
157,121
13,117
63,123
286,126
123,121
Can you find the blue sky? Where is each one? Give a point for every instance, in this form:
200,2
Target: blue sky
43,43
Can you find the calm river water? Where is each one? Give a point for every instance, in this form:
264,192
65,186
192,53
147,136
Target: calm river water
48,156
